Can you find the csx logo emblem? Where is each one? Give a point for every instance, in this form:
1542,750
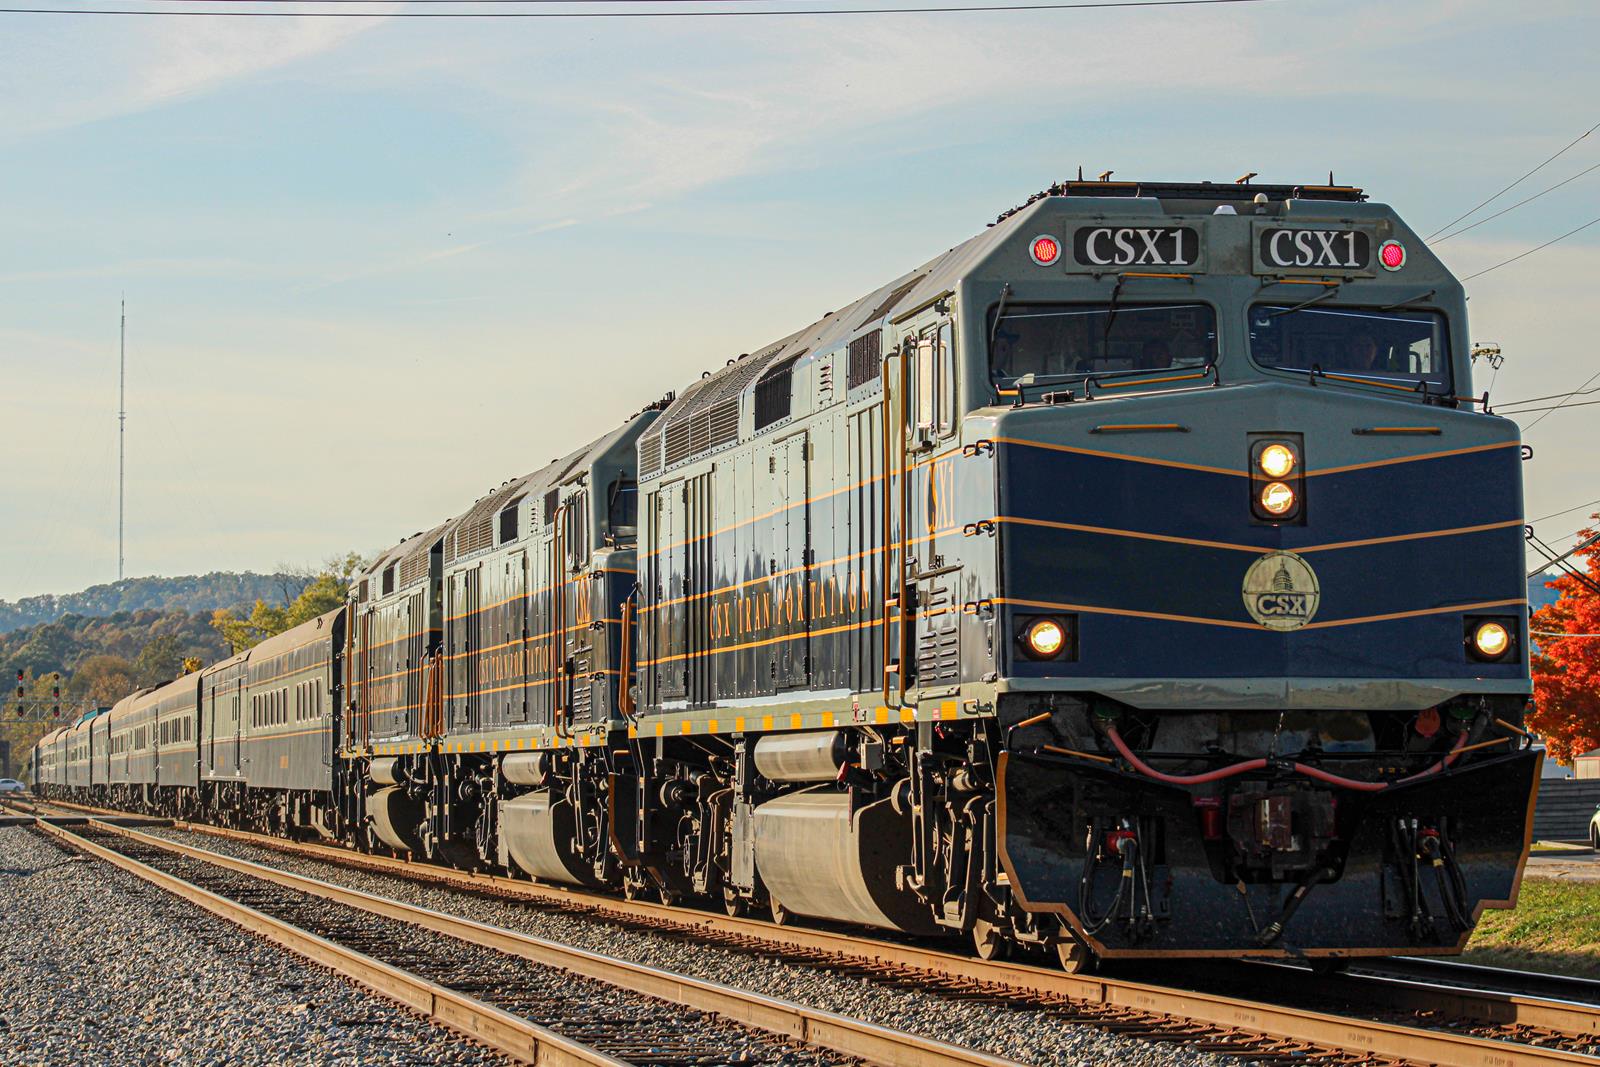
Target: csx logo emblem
1284,605
1281,591
1135,246
1316,249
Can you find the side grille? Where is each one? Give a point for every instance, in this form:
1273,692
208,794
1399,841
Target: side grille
939,645
865,354
774,394
649,454
724,421
679,442
697,431
472,536
414,567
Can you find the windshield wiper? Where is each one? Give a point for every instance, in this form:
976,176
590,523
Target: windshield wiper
1324,295
1410,300
1111,308
999,313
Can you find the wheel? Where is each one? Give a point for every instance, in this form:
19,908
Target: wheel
1594,837
781,916
989,940
1075,956
732,902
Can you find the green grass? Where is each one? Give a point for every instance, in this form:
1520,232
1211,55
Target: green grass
1555,927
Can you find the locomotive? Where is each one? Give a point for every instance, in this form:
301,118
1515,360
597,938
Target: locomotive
1137,578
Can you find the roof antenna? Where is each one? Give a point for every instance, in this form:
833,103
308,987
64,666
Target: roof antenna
1080,172
1330,177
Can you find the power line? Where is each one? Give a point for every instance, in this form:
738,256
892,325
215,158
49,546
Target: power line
1552,407
1569,511
1558,633
1552,396
1516,183
1503,262
1446,237
1563,403
596,14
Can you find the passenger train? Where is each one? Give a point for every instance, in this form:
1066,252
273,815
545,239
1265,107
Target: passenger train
1140,577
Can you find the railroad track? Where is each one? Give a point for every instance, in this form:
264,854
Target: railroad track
531,999
1410,1018
1484,1017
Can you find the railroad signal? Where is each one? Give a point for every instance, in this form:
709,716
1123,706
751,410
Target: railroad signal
55,696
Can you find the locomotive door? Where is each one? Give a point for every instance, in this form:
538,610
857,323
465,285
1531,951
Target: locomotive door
462,625
934,576
792,531
514,640
670,649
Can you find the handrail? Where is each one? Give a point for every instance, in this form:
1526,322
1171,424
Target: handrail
905,524
558,620
625,702
888,528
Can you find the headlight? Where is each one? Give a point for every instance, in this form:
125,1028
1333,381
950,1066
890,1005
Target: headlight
1045,638
1491,640
1277,498
1276,461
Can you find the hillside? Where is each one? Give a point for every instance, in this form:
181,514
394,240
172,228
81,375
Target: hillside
189,593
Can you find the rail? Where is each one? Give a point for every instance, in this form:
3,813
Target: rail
1502,1012
841,1034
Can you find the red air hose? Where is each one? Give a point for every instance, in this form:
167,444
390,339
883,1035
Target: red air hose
1180,779
1258,764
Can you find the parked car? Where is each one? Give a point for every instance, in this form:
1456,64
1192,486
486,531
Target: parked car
11,785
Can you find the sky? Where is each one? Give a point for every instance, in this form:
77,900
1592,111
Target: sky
374,267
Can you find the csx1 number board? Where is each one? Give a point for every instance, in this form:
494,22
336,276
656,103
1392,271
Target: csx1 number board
1345,250
1112,247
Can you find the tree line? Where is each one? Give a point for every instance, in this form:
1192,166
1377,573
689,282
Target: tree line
96,660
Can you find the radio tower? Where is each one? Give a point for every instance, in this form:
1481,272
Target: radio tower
122,423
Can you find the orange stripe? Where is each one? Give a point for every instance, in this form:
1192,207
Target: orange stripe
851,558
954,453
1258,549
1421,456
1522,601
1410,537
765,641
1414,459
1051,606
1051,447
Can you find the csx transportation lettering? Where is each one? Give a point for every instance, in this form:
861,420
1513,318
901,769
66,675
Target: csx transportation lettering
1281,591
1135,246
1316,249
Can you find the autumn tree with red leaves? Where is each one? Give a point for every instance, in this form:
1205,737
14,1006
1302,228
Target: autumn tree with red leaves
1566,671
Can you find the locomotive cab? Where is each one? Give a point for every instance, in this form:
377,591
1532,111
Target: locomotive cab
1259,624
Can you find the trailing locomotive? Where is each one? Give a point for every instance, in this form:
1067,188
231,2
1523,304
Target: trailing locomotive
1138,578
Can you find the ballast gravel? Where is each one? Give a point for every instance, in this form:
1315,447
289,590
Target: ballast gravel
97,967
1022,1034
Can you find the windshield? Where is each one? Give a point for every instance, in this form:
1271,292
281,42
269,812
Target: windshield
1082,339
1400,346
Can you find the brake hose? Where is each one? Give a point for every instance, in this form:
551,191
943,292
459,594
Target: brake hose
1259,764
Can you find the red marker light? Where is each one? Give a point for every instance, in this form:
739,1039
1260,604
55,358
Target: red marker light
1045,250
1392,254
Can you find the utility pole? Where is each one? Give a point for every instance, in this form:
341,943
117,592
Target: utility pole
122,425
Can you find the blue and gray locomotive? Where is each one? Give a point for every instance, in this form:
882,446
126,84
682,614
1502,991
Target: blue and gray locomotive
1138,578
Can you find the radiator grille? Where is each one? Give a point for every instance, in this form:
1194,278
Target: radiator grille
865,354
774,394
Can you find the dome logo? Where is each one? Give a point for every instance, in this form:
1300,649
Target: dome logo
1281,591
